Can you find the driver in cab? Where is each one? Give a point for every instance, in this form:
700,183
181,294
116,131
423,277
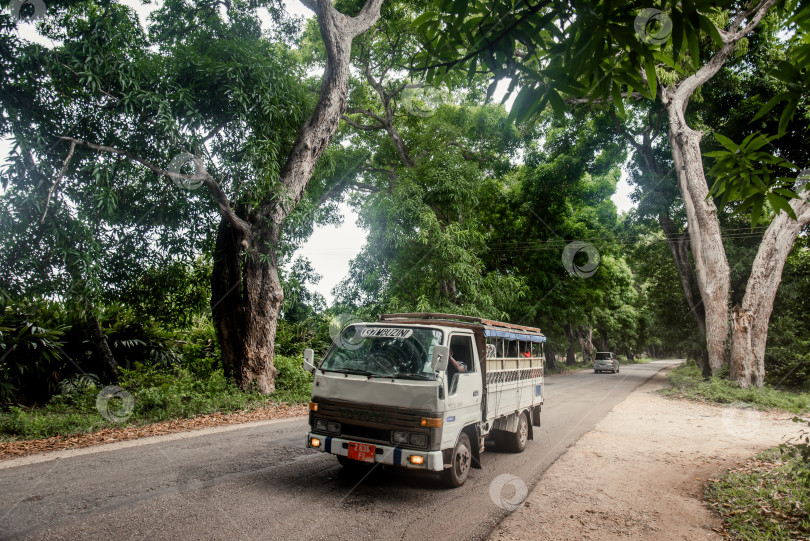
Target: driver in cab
454,367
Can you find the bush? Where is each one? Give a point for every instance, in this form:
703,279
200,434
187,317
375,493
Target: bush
293,383
159,394
31,355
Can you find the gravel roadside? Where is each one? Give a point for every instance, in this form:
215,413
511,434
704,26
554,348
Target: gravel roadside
640,473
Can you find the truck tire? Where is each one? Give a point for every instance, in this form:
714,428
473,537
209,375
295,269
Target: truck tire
459,469
516,441
499,437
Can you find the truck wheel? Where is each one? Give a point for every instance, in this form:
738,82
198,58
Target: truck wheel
499,437
516,442
459,469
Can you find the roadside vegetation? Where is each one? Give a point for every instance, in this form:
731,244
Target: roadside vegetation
768,497
158,395
687,381
49,383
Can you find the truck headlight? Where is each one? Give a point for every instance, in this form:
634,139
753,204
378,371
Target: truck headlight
399,436
333,427
418,440
320,424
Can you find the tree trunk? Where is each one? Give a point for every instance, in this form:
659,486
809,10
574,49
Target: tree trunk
551,359
750,321
571,352
713,274
246,297
679,246
245,286
102,355
603,340
702,360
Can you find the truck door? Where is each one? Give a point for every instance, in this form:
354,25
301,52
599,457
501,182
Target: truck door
464,389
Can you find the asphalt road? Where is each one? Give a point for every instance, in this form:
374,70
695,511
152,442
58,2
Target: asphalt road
262,483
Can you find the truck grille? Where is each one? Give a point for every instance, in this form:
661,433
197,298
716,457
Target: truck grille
375,423
366,433
362,415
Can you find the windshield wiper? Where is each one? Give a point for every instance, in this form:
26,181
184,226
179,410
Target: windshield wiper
353,371
406,375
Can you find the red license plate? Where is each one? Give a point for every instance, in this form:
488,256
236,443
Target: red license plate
362,452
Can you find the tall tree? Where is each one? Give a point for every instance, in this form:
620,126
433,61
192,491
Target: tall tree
216,93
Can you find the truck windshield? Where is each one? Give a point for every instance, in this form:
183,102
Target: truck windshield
384,351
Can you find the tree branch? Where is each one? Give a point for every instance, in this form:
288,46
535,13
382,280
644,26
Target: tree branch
584,101
338,31
58,180
202,175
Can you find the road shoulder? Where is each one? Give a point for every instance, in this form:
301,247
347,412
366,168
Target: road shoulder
641,471
23,452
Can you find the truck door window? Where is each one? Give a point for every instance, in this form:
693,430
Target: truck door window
462,352
461,346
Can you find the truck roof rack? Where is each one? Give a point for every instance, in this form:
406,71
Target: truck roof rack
487,323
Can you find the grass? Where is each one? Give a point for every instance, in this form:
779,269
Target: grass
686,381
764,499
157,396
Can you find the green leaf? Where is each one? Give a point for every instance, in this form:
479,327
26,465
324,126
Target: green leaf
708,26
770,104
522,102
726,142
652,77
787,115
694,47
616,94
780,203
557,103
756,210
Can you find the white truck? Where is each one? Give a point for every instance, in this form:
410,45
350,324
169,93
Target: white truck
424,391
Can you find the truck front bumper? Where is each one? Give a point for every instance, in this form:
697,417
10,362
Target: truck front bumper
384,454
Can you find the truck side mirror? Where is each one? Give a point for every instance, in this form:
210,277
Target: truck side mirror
309,360
441,355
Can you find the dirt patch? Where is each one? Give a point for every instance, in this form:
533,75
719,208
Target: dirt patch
15,449
641,472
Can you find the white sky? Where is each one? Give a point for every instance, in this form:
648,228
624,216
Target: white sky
331,248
